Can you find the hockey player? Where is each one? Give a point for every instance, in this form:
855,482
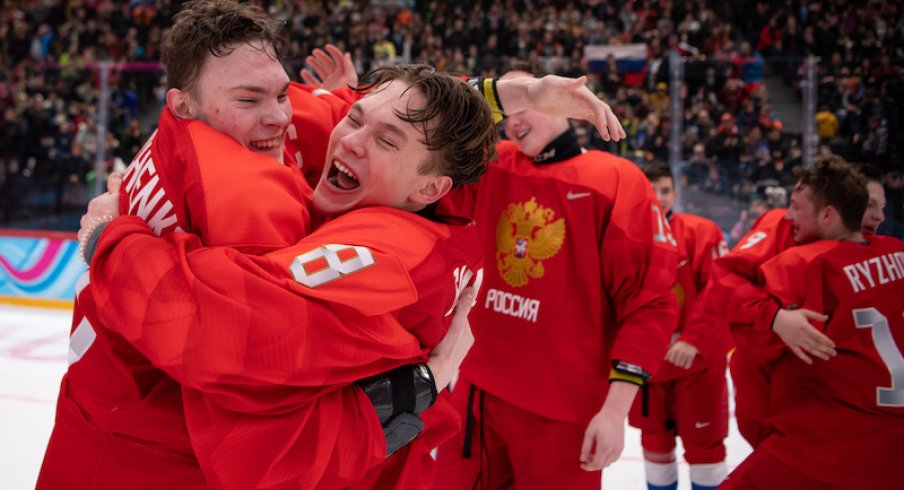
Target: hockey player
169,196
576,295
818,409
245,326
118,417
688,396
735,294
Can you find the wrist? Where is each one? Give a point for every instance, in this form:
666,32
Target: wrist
488,87
514,94
619,400
88,237
775,309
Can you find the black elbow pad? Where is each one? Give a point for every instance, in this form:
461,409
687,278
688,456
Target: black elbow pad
407,389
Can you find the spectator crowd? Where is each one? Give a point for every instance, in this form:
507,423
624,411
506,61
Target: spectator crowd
738,157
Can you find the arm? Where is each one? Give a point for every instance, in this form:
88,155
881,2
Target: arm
218,321
701,333
735,292
786,280
558,96
638,260
443,361
604,438
551,94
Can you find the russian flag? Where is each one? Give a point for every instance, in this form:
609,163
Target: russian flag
630,58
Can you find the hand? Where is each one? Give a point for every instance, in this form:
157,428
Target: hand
333,68
566,97
106,204
604,438
795,330
448,355
604,441
682,354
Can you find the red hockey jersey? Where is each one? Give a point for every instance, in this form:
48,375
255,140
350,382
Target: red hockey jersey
736,294
579,271
187,177
266,344
844,415
700,243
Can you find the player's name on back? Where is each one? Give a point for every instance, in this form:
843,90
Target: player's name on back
875,271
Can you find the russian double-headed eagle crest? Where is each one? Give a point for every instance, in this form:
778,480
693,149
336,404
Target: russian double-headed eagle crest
526,235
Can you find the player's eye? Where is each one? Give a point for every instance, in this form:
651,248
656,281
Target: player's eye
387,143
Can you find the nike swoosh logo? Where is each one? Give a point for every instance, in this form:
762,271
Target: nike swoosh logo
576,195
700,425
682,263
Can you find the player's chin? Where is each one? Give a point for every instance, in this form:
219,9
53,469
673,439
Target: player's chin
276,152
329,203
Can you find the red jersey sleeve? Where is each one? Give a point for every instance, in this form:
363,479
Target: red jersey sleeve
638,256
786,278
267,346
736,291
700,330
217,321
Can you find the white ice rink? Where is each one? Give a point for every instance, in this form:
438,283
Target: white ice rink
33,351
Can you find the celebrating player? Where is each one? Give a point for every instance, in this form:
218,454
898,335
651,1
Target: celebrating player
688,397
576,295
817,409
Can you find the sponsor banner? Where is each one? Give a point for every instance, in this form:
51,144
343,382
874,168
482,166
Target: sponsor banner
38,268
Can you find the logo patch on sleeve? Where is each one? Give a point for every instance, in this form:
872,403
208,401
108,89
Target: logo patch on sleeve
330,262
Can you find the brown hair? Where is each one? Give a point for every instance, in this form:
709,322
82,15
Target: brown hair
657,171
870,172
214,27
836,183
456,121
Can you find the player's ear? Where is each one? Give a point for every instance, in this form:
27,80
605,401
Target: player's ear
432,189
829,214
179,103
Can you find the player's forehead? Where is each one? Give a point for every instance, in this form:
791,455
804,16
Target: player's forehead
388,104
248,63
801,193
876,192
662,183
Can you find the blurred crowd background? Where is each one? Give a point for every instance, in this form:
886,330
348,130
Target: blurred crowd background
740,98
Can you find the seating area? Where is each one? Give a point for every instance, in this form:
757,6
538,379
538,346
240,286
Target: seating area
734,146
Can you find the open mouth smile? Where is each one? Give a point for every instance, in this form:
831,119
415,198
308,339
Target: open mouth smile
342,177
